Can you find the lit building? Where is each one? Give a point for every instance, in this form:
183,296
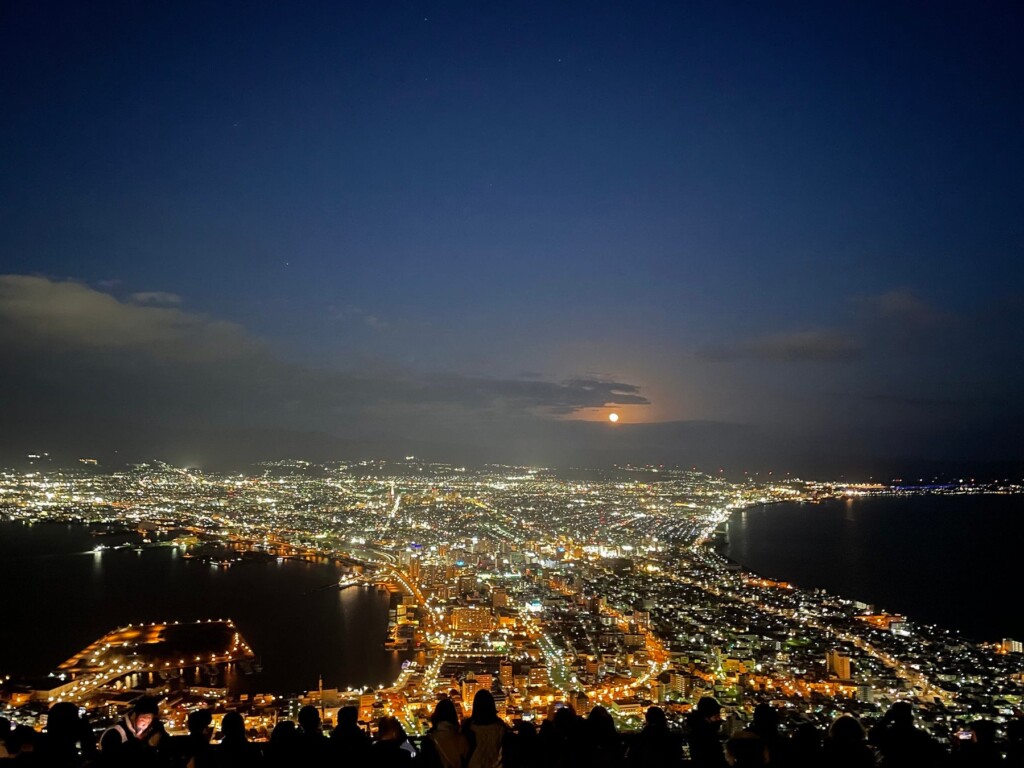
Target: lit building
680,684
838,665
470,685
466,619
580,702
505,673
1011,646
538,676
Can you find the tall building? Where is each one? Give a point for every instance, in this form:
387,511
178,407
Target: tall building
680,683
505,674
580,702
538,676
1011,646
500,699
838,665
470,685
900,627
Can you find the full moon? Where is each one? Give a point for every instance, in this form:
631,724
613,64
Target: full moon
613,417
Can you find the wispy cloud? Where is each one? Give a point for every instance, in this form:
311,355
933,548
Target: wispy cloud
64,315
157,298
899,306
810,346
192,364
353,314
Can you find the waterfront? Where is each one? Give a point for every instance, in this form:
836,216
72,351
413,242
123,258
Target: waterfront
503,570
62,596
935,558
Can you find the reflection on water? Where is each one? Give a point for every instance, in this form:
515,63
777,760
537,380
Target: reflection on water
66,596
938,559
849,511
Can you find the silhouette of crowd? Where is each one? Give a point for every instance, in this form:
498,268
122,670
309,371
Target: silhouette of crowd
484,740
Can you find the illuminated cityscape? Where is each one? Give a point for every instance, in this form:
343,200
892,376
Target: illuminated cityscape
511,385
592,588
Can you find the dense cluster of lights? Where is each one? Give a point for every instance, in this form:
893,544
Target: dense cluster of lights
602,587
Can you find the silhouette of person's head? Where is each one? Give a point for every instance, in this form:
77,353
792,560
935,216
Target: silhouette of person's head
389,729
600,723
233,726
709,708
444,712
524,729
309,719
198,721
901,714
62,721
766,717
565,721
21,739
484,709
846,730
283,735
348,717
655,719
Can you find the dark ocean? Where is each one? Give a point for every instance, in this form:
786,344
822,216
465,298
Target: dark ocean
58,597
948,560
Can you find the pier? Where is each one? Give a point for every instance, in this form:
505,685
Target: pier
163,649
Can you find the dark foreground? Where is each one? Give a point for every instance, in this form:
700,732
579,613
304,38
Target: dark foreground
483,740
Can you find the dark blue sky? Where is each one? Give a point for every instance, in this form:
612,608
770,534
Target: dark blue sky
798,221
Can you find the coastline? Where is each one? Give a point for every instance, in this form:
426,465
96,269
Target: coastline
294,593
800,562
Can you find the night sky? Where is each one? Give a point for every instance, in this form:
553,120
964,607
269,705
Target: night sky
771,236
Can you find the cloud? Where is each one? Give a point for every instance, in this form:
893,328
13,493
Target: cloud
85,372
357,314
85,364
886,322
159,298
560,397
811,346
68,315
900,306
